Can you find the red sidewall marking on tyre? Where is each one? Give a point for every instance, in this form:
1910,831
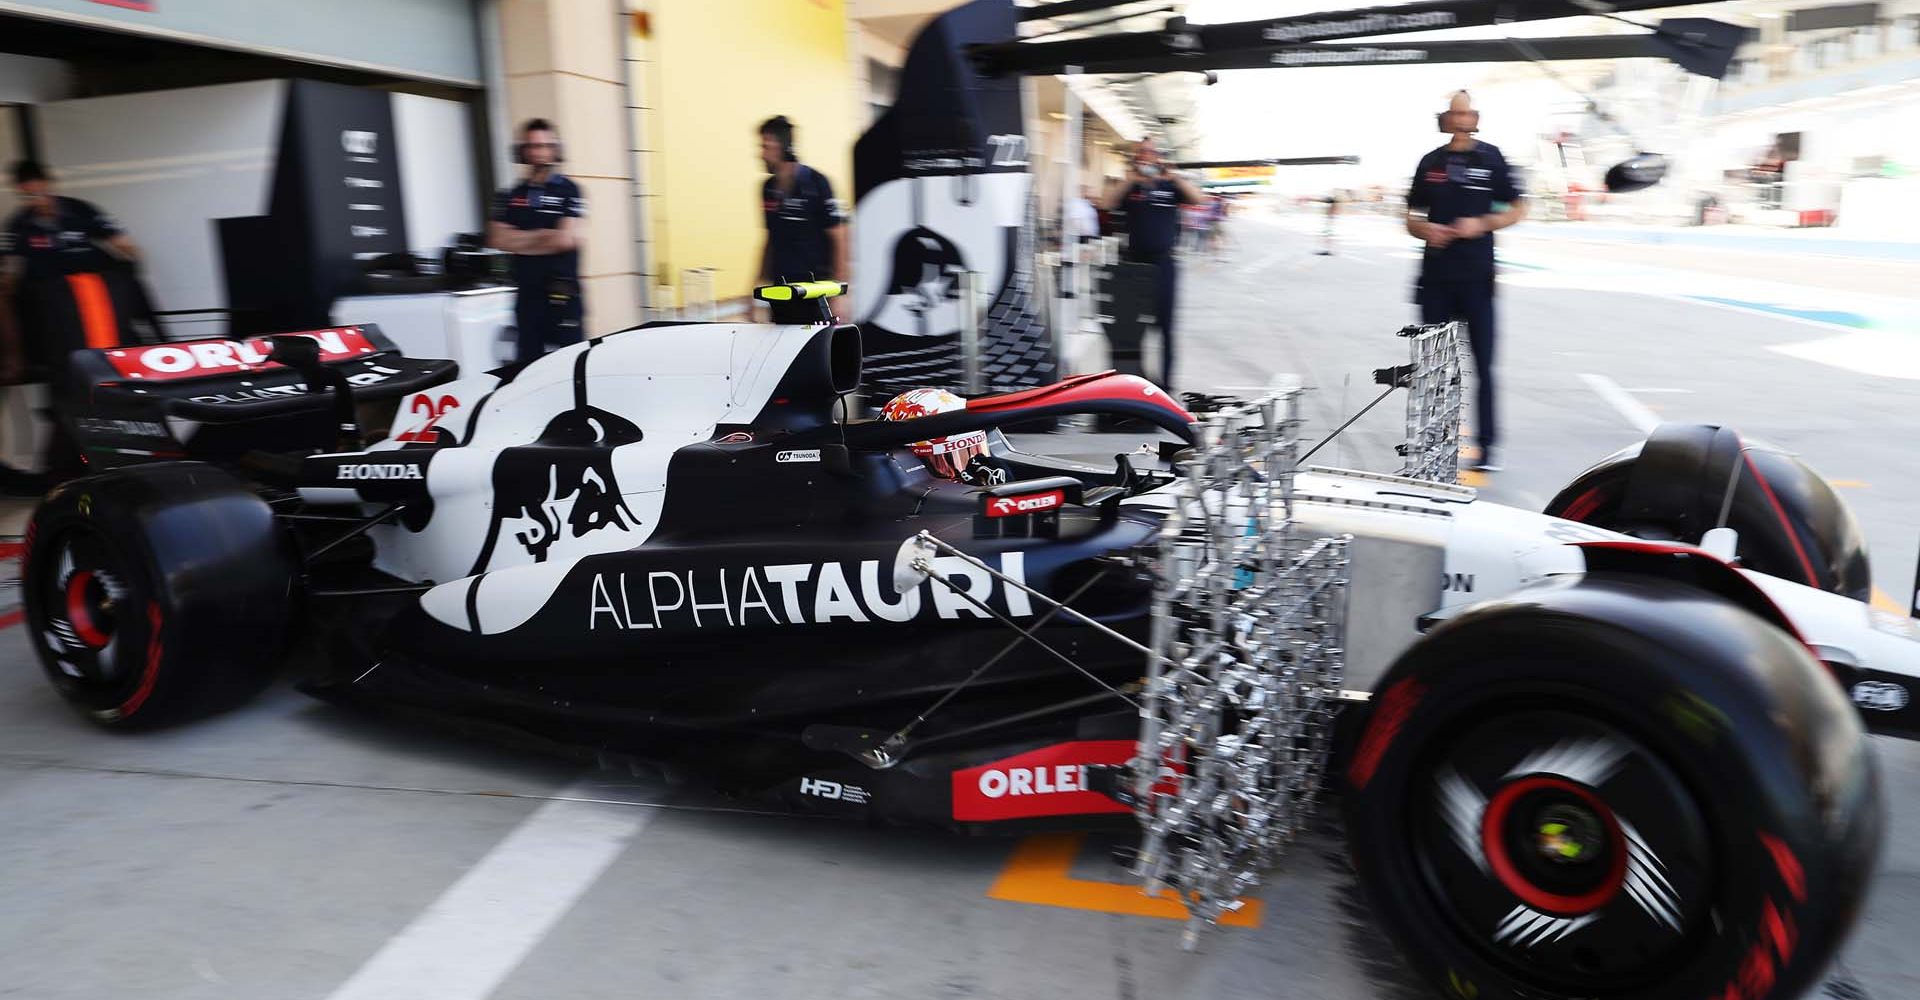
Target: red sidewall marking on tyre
12,559
1583,505
151,672
1791,873
1786,523
1396,706
1494,845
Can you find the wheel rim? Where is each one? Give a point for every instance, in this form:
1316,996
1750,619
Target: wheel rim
90,606
95,626
1564,851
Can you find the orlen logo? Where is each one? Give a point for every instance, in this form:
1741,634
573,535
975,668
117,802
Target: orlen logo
1033,780
1050,781
384,471
216,357
1028,504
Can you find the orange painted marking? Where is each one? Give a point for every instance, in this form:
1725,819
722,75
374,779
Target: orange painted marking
97,319
1886,603
1847,484
1040,873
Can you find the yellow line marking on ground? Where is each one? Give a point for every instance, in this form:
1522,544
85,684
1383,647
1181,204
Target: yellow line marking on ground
1477,480
1040,873
1886,603
1847,484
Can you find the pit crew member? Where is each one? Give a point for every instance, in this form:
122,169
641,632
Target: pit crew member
806,234
1461,194
538,222
1149,210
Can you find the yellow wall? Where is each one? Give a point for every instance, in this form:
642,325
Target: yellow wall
716,69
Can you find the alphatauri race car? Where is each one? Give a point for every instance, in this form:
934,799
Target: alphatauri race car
1602,751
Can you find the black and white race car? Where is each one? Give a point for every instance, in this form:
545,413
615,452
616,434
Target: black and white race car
1593,761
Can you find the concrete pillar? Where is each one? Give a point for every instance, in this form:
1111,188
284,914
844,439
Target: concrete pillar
565,60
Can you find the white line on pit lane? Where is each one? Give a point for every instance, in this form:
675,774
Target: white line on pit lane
1636,412
1266,261
471,938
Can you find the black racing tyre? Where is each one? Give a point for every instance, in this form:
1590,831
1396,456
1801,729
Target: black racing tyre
1613,788
1685,478
157,593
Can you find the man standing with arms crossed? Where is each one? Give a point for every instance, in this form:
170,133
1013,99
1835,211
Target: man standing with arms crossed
1461,194
537,222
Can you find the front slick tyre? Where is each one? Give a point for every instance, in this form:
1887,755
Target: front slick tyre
1614,788
156,593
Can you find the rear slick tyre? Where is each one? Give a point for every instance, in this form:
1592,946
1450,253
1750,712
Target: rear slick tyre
1557,796
156,593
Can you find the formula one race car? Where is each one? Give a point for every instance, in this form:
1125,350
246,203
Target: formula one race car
1590,764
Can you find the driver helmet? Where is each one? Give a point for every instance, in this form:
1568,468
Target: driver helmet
947,457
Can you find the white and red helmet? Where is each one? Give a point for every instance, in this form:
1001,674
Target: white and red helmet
947,457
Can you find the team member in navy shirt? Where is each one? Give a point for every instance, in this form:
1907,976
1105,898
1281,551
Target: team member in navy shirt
1461,194
538,222
806,239
1149,212
53,252
52,238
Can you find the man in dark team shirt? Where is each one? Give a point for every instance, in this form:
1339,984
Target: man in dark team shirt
1148,211
52,238
54,298
1461,194
538,222
805,236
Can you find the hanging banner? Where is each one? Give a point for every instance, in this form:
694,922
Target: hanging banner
942,186
1181,46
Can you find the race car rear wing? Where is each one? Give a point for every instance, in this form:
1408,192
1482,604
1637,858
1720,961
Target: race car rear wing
221,381
219,398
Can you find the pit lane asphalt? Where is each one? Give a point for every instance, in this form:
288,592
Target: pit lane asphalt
293,849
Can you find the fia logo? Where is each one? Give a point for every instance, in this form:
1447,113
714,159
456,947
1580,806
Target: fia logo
359,143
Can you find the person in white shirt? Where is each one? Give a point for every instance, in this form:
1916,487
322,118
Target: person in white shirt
1083,220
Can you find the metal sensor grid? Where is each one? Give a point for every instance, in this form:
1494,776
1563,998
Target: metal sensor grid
1434,405
1237,710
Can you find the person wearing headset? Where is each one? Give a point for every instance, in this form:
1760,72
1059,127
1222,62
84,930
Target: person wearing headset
537,221
1462,193
1148,210
806,237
